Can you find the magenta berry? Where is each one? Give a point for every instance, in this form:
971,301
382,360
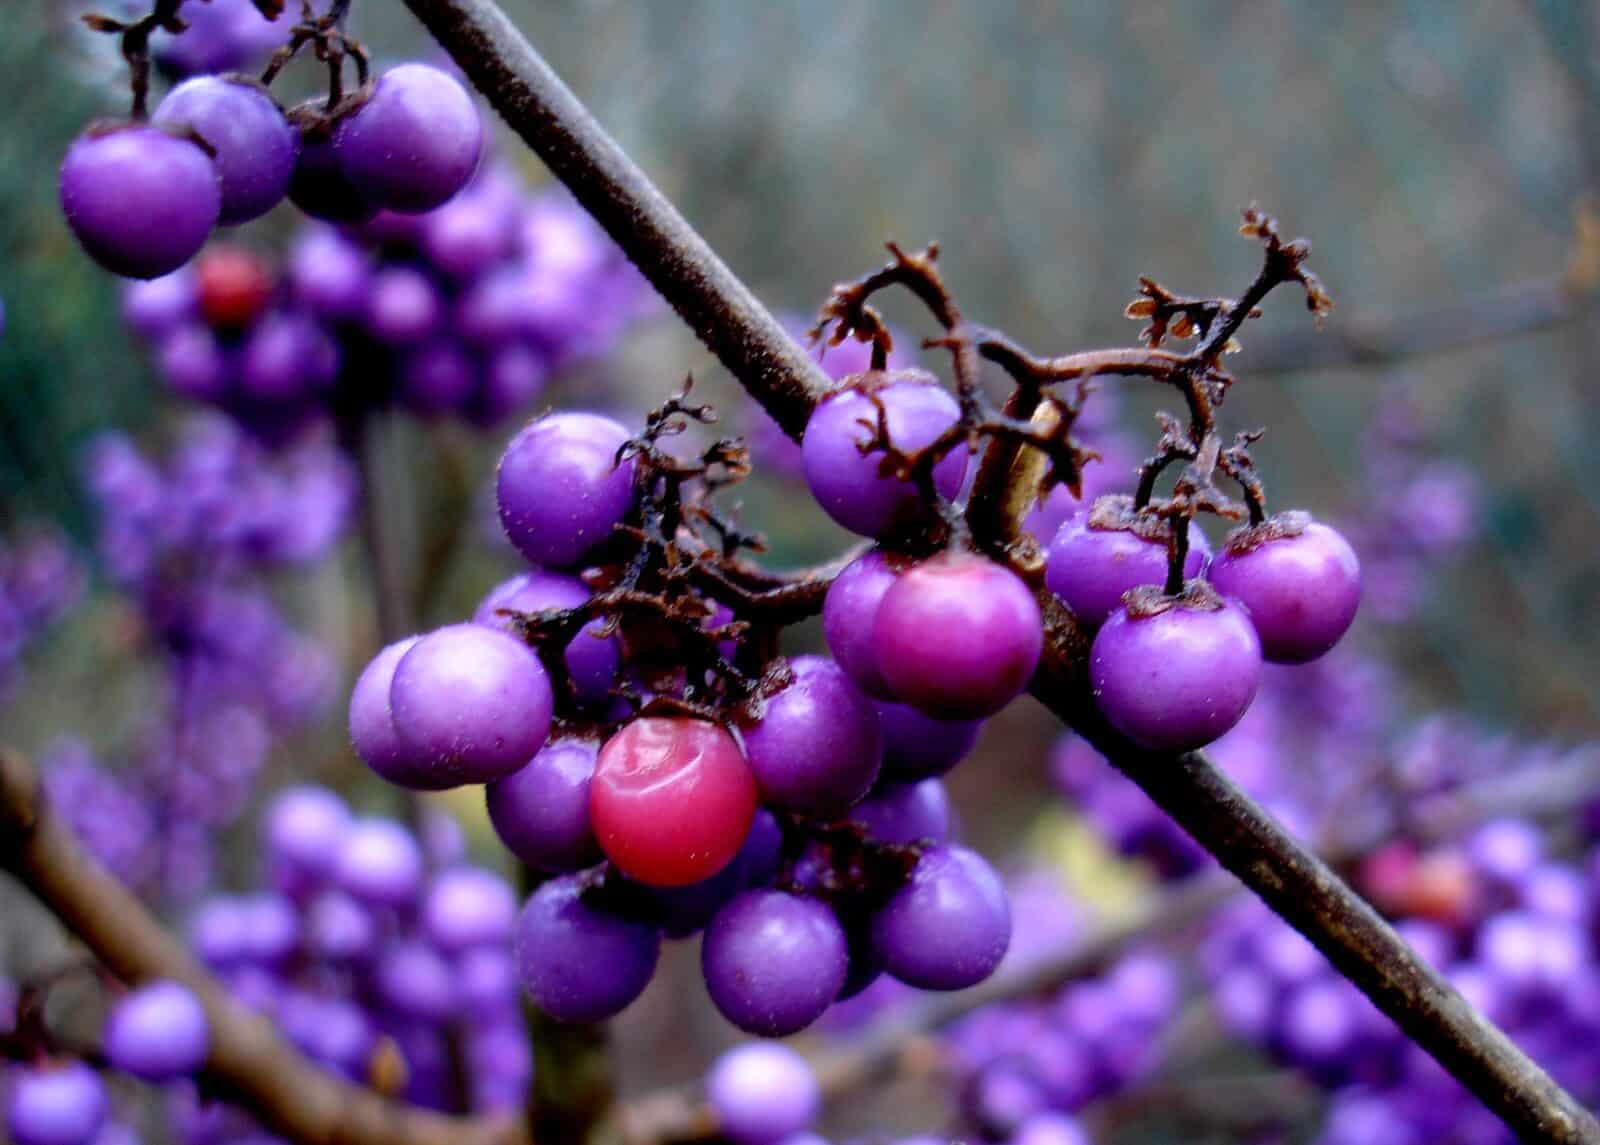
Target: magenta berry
141,200
1173,674
849,613
958,636
1299,581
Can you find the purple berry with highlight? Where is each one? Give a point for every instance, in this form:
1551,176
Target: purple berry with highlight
1299,581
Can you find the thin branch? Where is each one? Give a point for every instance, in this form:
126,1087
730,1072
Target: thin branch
250,1064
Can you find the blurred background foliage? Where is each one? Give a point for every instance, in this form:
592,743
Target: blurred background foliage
1433,152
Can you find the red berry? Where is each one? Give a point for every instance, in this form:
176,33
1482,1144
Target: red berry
672,800
235,286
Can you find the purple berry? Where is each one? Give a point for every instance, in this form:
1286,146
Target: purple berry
437,378
467,237
815,746
468,907
253,146
220,36
848,614
340,930
847,483
1299,580
592,660
319,186
1176,675
304,829
958,636
472,703
763,1094
560,489
328,275
277,356
415,141
512,377
57,1105
141,200
1095,559
414,981
154,308
949,926
380,863
541,811
1050,1129
372,728
579,963
193,363
158,1032
916,746
906,812
774,962
403,308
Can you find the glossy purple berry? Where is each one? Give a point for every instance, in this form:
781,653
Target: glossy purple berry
541,811
1175,675
906,812
193,363
916,746
763,1094
414,143
958,636
468,907
437,378
253,145
815,745
158,1032
579,963
142,201
773,962
847,483
560,489
56,1105
403,307
949,926
592,660
1096,558
372,730
380,863
849,612
472,703
1299,581
414,981
154,308
319,185
329,275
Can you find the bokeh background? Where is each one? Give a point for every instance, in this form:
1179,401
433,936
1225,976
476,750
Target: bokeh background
1440,157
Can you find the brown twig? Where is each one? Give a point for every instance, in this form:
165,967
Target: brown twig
250,1064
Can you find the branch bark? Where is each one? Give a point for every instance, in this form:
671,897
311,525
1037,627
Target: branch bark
250,1064
779,374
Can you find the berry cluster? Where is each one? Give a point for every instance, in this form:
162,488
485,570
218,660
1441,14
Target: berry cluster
1512,926
40,581
143,195
158,1033
463,310
191,541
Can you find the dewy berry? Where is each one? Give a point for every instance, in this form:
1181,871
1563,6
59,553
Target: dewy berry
672,800
252,143
158,1033
541,810
773,962
815,746
1298,580
958,636
414,142
846,482
947,928
140,199
1173,674
579,962
561,489
470,704
848,614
